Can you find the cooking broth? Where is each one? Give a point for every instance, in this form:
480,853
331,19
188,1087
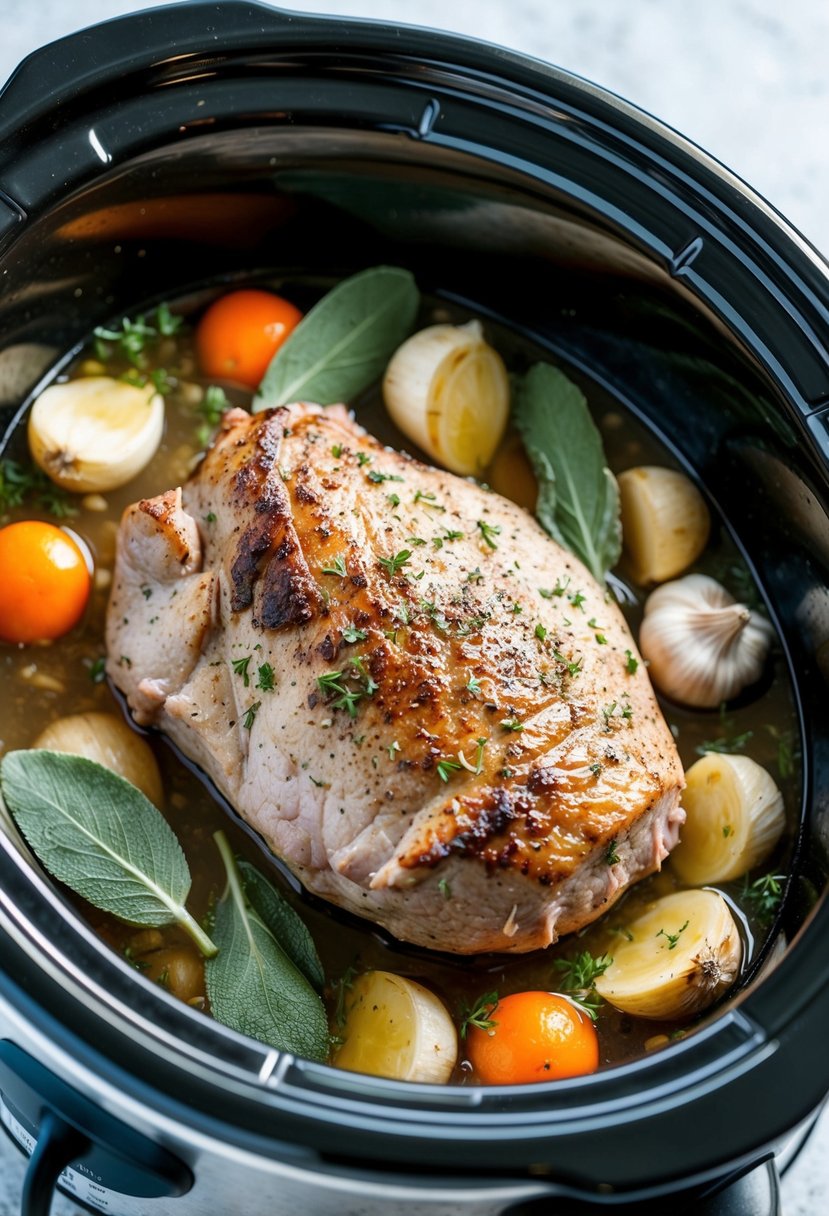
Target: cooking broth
45,682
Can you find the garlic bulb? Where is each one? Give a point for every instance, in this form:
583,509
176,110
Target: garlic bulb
106,739
665,522
734,818
677,957
95,433
702,647
448,391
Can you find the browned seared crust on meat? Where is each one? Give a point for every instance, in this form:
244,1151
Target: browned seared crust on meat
481,769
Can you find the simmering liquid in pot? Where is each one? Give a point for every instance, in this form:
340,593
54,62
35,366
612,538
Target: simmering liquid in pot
43,683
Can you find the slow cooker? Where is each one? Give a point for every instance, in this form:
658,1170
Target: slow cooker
158,152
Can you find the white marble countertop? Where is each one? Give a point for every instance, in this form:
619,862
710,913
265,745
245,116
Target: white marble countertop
745,79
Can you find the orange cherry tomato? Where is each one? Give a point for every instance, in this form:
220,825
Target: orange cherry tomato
241,332
44,582
538,1036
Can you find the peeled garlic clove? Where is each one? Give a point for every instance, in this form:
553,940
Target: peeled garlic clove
96,433
734,818
665,522
702,647
448,391
512,475
396,1028
676,958
107,740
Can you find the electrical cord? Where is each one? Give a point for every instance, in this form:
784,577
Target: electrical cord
58,1144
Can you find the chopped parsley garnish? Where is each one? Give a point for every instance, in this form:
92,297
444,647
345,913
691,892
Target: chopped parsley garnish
392,749
561,587
577,599
378,478
19,483
337,567
250,714
340,696
579,977
266,681
511,724
475,576
394,499
488,531
452,534
97,670
392,565
631,663
352,634
736,743
573,666
479,1014
240,668
428,499
611,856
540,632
596,770
727,830
363,459
763,895
337,450
446,767
673,938
545,593
473,685
444,888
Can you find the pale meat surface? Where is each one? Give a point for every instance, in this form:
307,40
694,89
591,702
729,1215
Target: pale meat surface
426,707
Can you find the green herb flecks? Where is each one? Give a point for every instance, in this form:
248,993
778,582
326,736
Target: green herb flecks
266,680
249,716
393,565
98,670
578,499
488,533
253,984
336,567
763,895
101,836
631,663
479,1014
20,483
579,975
445,767
210,409
673,938
344,342
726,745
240,668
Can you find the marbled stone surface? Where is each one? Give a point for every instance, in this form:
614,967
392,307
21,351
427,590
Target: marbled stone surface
745,79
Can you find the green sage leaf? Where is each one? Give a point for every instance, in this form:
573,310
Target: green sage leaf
252,984
98,834
287,927
344,343
578,499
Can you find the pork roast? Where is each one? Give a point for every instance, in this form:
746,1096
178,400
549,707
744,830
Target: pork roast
426,707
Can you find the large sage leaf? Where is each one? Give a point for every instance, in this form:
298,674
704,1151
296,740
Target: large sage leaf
344,342
252,984
578,499
97,833
287,927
